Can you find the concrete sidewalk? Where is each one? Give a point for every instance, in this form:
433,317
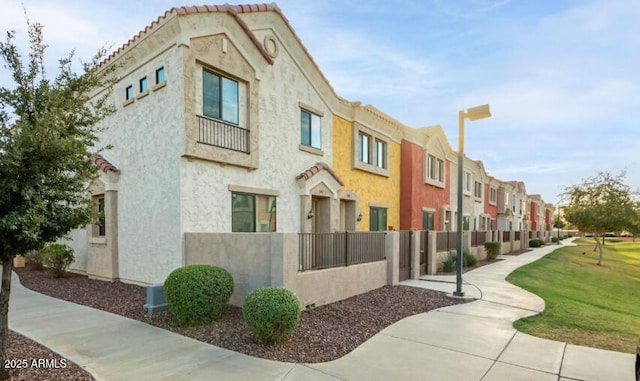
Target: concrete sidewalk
471,341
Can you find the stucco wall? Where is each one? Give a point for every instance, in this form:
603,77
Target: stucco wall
205,195
420,194
245,255
330,285
371,188
261,259
146,137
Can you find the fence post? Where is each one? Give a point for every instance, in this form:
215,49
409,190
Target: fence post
431,249
392,252
283,252
346,249
416,236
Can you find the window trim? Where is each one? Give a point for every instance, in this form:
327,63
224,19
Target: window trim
128,96
478,185
311,115
373,136
378,208
221,100
493,191
466,184
255,211
440,166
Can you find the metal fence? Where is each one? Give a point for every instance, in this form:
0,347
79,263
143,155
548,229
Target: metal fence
478,238
217,133
325,250
506,236
516,236
445,241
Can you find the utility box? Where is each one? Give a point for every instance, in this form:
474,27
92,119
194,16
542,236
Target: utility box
155,299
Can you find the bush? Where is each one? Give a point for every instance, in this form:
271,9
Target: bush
36,259
468,259
554,239
271,313
493,249
58,257
198,294
449,264
536,243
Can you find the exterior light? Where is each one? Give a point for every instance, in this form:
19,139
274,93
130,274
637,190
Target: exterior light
359,218
311,214
473,113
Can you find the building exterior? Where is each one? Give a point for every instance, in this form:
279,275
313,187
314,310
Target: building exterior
425,185
367,158
224,124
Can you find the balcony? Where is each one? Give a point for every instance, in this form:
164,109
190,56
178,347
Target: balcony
221,134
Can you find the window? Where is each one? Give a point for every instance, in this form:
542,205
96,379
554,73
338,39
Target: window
466,183
144,85
427,220
435,168
101,218
381,148
377,219
465,223
310,131
129,92
493,192
363,148
220,97
159,75
477,189
253,213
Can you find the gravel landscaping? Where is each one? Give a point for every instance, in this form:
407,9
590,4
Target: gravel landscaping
323,334
29,361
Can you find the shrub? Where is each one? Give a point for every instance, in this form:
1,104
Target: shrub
198,294
271,313
449,264
36,259
554,239
493,249
58,257
468,259
536,243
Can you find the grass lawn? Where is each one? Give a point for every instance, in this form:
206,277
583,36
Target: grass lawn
586,304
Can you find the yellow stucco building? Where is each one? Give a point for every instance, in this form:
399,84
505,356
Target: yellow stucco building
366,157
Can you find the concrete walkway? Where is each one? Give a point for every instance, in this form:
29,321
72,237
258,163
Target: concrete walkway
471,341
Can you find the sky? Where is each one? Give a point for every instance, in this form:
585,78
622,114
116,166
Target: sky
562,76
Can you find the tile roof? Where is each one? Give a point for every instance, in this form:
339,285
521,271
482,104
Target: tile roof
235,11
104,164
317,168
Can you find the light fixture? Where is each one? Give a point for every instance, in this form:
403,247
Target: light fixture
359,218
473,113
311,214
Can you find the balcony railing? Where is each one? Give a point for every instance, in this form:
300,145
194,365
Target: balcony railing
221,134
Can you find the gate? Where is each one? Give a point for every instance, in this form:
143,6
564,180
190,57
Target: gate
405,255
424,244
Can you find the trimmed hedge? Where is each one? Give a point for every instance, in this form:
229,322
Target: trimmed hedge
493,249
536,243
271,313
198,294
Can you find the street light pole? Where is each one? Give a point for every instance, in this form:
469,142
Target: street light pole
459,232
473,113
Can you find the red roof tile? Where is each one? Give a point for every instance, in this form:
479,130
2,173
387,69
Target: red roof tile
317,168
104,164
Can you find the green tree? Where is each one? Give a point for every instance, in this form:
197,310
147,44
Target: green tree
47,136
600,204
